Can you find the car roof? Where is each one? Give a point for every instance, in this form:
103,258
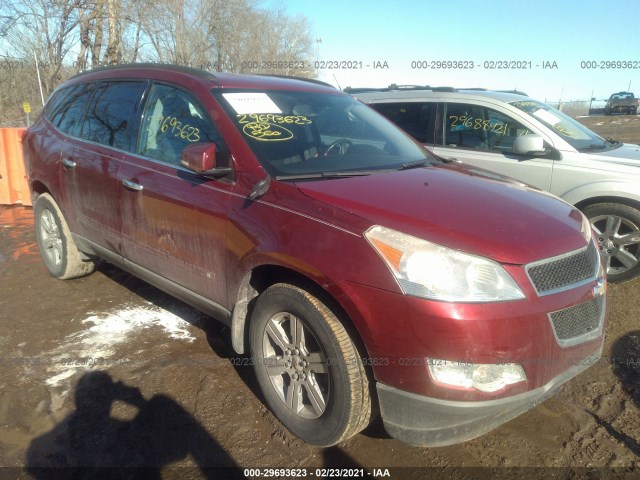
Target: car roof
182,74
437,94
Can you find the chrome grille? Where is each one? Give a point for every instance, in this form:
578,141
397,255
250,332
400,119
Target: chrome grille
579,323
564,271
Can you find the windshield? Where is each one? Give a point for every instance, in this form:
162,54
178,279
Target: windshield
573,132
299,134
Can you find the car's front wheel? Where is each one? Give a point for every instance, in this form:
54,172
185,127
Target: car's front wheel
308,367
59,252
617,229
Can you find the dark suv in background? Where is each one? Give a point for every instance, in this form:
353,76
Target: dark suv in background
360,273
622,102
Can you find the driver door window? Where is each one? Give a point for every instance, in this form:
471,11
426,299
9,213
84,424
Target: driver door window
479,128
173,120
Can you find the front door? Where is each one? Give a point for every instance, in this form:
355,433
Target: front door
483,137
174,222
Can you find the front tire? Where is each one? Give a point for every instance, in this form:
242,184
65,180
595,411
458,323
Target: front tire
59,252
617,229
308,368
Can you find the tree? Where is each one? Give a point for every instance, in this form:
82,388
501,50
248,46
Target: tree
45,28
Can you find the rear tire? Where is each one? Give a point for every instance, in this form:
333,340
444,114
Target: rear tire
617,229
59,252
308,368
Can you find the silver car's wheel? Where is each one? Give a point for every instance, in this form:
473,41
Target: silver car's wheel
308,367
617,229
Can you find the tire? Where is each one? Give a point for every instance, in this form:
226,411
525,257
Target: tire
328,397
617,229
59,252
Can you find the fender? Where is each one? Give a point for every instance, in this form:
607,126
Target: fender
625,190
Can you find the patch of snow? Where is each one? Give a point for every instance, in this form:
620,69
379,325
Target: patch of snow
95,346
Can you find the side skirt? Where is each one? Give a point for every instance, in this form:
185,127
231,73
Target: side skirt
203,304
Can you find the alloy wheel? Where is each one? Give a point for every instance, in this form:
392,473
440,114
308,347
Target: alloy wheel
51,239
618,241
296,365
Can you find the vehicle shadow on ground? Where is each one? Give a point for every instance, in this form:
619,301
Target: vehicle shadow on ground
626,366
91,443
218,335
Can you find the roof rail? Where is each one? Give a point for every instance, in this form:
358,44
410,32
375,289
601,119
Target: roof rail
162,66
293,77
396,87
364,89
516,92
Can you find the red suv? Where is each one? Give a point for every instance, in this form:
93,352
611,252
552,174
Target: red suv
362,274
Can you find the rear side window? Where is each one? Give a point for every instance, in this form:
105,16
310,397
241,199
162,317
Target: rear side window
415,118
173,119
66,107
479,128
112,116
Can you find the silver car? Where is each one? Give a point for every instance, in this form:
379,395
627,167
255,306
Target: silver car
528,140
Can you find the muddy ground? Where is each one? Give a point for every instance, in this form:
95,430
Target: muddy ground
107,370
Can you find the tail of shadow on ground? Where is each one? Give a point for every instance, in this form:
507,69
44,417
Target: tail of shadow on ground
626,366
626,363
90,443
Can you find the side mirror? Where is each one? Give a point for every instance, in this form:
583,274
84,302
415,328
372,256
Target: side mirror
529,145
201,158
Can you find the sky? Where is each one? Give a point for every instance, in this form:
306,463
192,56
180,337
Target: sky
559,35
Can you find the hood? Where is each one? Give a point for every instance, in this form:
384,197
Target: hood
461,209
627,154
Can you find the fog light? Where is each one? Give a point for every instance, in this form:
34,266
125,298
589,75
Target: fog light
486,377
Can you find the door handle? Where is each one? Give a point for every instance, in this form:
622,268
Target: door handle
67,162
132,185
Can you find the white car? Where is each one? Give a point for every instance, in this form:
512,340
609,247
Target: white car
514,135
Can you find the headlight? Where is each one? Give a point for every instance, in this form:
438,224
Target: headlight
425,269
487,377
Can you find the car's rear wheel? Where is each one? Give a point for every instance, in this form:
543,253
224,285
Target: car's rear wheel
617,229
308,367
59,252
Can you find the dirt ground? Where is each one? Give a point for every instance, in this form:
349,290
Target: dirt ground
107,370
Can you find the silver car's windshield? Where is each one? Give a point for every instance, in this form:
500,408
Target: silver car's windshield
302,134
573,132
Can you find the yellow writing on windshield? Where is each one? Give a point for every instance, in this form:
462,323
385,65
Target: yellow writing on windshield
273,119
266,132
563,130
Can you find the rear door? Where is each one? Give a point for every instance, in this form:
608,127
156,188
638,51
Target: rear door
174,222
108,129
415,118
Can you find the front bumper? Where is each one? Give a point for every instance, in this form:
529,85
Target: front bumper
423,421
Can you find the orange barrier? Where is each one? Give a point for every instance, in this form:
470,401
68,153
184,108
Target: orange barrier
14,187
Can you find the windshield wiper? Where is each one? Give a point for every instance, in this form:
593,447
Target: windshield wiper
309,176
418,164
595,146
